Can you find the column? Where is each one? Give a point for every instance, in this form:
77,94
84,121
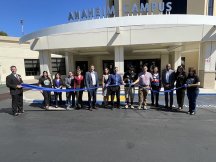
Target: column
207,64
119,59
69,62
176,60
45,62
164,60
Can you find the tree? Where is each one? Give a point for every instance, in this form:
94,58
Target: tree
3,33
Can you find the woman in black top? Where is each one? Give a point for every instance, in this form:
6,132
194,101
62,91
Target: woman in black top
58,84
181,78
193,84
45,82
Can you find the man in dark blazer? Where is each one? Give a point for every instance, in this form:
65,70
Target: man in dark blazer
14,81
168,80
91,83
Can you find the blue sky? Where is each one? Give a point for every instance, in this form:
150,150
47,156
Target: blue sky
38,14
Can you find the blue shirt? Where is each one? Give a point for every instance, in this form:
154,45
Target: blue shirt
115,79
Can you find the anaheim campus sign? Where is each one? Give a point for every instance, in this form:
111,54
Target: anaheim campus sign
135,9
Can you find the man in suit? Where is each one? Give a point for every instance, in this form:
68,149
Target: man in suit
92,83
114,81
14,81
168,80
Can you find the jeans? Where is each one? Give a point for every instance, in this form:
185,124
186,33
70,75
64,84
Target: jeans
58,95
129,94
167,94
47,98
69,95
155,95
192,97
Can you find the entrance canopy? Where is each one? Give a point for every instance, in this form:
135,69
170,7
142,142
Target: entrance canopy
125,31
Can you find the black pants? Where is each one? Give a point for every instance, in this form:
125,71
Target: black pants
47,98
58,97
192,98
92,97
79,95
69,95
180,94
155,95
17,103
115,90
167,94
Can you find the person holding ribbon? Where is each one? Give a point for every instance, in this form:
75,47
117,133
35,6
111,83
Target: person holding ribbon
79,84
58,84
69,83
168,80
45,81
105,89
181,78
144,80
129,77
156,86
92,84
193,83
114,82
14,81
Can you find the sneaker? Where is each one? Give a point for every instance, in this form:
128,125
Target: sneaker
126,106
139,107
145,107
188,112
132,107
56,106
180,108
193,113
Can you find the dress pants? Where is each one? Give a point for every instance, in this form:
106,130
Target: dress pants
115,90
17,103
167,94
92,97
180,94
58,96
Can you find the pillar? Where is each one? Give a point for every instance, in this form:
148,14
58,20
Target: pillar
164,60
207,64
176,60
119,59
69,62
45,62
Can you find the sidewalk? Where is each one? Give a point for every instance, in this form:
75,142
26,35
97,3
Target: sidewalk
33,96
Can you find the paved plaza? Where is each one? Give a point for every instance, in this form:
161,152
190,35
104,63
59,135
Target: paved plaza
155,135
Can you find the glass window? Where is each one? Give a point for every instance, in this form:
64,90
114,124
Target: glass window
210,7
32,67
58,66
178,6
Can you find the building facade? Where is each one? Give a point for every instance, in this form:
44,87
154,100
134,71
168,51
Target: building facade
138,32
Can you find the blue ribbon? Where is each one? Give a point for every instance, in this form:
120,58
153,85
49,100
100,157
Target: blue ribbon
30,86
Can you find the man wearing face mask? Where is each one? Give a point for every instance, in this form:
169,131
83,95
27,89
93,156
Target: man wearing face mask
14,81
114,81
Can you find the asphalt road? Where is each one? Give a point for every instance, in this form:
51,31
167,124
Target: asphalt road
107,136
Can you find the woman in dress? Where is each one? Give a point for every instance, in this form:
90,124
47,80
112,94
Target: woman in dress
104,88
46,82
79,84
58,84
193,83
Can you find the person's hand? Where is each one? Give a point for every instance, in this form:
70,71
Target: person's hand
19,86
185,85
167,85
41,91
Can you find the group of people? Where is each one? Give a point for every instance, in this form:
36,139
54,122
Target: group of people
146,81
